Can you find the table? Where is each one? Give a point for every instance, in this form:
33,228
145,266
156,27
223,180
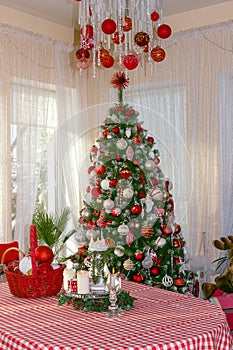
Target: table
160,320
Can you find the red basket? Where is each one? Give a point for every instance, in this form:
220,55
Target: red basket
35,286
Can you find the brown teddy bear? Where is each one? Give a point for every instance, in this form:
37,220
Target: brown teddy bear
224,282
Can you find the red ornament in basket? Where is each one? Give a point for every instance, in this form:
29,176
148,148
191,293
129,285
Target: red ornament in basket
40,280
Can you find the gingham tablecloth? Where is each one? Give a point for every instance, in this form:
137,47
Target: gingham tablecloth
160,320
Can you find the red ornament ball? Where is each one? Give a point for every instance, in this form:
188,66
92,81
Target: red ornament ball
100,169
150,139
109,63
82,251
137,278
139,256
137,139
125,173
141,194
43,254
154,16
158,54
113,182
116,38
90,169
164,31
154,271
141,38
179,282
82,53
127,25
136,209
116,129
44,268
108,26
130,61
167,231
88,31
104,55
177,243
96,192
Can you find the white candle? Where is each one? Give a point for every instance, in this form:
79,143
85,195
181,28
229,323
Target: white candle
83,282
112,280
67,275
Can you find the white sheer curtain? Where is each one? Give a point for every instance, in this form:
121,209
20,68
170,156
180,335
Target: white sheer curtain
28,80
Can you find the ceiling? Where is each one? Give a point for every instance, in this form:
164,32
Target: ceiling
62,11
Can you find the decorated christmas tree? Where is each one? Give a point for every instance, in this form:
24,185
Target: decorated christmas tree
128,210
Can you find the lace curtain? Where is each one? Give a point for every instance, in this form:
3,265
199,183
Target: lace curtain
185,103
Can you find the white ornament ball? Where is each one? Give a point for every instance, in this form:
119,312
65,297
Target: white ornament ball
91,234
108,204
122,144
25,264
149,165
119,251
86,213
136,225
99,201
160,242
123,229
128,193
156,194
105,184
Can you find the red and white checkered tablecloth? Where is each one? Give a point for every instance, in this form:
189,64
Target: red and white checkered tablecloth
160,320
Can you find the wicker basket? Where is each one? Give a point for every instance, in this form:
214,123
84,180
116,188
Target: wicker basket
34,286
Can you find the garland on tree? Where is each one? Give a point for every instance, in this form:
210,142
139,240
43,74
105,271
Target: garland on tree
128,202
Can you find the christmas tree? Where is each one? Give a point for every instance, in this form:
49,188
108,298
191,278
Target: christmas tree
129,211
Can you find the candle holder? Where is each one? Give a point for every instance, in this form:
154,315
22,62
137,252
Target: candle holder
113,285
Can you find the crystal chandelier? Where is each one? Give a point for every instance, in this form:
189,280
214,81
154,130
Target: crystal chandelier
120,32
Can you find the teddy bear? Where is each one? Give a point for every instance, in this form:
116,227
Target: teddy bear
223,282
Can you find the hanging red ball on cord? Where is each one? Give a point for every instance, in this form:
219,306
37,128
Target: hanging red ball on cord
130,61
88,31
141,38
154,16
116,38
127,24
157,54
82,53
109,63
164,31
104,55
108,26
83,63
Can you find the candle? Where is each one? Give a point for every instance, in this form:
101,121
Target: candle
112,280
68,274
33,246
83,282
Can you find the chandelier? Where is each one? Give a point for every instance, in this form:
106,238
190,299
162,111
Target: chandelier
126,33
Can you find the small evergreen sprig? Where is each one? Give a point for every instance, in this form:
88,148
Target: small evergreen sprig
124,301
